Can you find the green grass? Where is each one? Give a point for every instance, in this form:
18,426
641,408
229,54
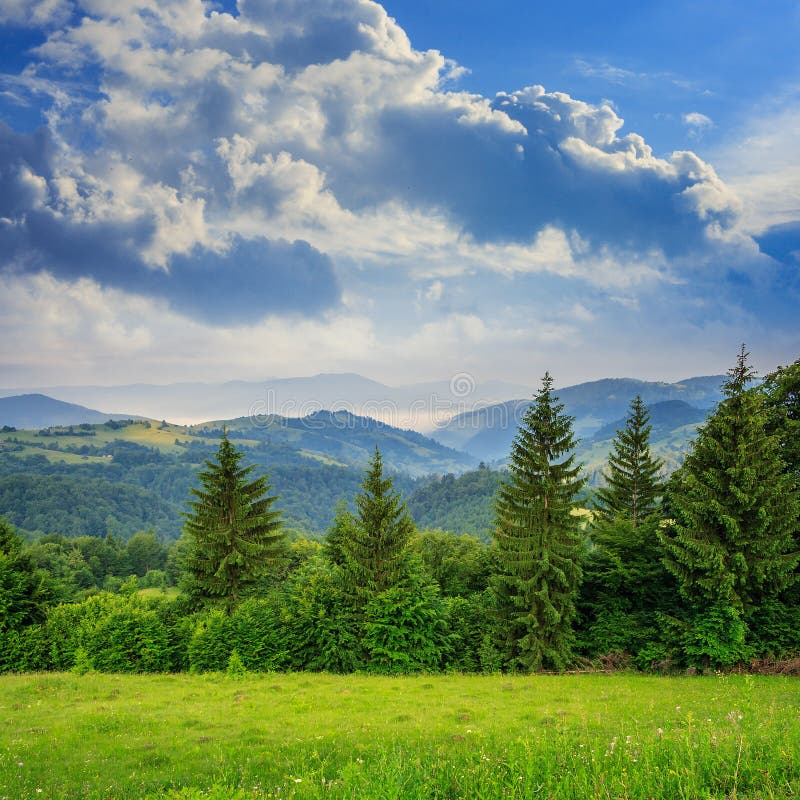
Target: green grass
304,735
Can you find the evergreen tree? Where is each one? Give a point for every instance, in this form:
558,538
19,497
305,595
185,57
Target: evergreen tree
632,485
782,399
25,591
234,533
538,540
373,541
734,509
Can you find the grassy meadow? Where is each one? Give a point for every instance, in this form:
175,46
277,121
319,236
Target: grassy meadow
310,735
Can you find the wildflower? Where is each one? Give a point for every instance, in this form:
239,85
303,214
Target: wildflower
660,732
20,764
677,708
298,780
627,740
612,745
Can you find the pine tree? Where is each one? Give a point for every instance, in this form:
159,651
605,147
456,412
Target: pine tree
632,485
234,533
734,509
538,540
373,541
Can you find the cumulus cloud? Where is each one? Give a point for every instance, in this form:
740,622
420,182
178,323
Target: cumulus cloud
35,13
320,123
304,158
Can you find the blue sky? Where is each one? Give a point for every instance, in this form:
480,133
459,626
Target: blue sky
411,190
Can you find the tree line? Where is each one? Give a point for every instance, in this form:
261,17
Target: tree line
697,570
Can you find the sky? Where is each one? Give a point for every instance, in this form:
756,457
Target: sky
209,191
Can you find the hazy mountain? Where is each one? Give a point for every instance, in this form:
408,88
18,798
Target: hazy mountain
40,411
665,417
488,432
420,406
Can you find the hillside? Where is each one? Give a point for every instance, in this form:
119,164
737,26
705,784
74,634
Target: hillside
84,479
339,437
460,504
40,411
665,418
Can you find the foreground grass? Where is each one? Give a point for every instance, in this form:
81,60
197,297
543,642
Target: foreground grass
302,735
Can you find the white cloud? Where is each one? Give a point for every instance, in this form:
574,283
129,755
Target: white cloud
178,135
695,119
35,13
761,163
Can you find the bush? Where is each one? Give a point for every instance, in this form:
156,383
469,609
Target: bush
404,630
116,634
318,621
211,643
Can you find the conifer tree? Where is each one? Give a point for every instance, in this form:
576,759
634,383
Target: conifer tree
235,534
734,509
781,390
373,541
632,485
538,540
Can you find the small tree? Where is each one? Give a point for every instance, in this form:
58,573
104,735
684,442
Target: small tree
234,533
145,552
538,541
734,510
632,485
373,541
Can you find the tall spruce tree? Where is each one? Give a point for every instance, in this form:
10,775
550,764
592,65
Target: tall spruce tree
235,534
538,539
373,541
734,509
625,582
632,484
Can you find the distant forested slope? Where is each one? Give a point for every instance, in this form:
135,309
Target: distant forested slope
460,504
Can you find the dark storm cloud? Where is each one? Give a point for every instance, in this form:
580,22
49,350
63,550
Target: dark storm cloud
253,278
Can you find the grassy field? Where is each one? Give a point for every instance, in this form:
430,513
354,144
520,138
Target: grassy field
304,735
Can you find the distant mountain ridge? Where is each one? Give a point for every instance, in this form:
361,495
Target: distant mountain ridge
40,411
419,406
487,432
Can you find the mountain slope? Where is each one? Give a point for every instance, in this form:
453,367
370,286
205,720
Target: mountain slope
128,475
41,411
665,417
342,438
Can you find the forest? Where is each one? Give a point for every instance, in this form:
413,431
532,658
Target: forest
699,570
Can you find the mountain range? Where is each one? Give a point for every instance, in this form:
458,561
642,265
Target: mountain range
79,475
487,432
421,406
